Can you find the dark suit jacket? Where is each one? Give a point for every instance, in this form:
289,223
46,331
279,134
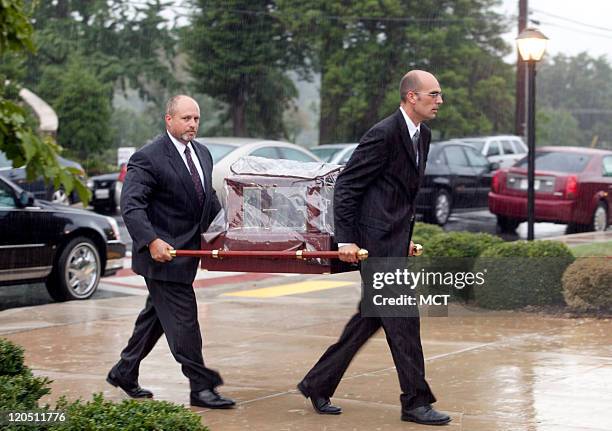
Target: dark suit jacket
375,194
158,200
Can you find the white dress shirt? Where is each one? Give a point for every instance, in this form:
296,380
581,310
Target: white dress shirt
180,147
412,129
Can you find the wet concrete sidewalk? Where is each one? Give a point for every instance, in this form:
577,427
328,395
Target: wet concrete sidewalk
584,238
490,371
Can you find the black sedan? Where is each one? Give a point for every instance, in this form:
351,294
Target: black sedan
457,176
38,187
68,248
106,190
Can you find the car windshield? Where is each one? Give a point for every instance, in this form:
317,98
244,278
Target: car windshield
558,161
476,144
218,151
325,154
4,162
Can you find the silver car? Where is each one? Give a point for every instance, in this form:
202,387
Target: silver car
338,154
503,149
225,151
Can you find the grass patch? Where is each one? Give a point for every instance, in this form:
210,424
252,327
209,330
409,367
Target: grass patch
595,249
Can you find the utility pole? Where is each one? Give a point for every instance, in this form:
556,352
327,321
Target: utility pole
521,77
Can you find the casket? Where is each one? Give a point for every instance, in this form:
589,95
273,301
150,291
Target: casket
275,205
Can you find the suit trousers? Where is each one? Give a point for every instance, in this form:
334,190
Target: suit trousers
403,337
171,309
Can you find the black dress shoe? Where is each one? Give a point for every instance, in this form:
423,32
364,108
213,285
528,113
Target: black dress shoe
211,399
132,389
425,415
322,405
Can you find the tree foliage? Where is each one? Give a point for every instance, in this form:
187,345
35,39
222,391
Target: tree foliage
557,127
18,140
238,53
97,49
580,88
362,49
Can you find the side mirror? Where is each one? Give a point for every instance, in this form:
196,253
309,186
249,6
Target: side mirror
26,199
493,166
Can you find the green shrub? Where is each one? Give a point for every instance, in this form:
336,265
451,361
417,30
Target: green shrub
11,358
587,284
22,392
460,244
128,415
522,273
19,389
454,252
425,232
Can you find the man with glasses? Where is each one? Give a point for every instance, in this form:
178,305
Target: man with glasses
374,206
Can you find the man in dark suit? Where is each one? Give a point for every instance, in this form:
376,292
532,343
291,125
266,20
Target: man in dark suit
166,202
374,209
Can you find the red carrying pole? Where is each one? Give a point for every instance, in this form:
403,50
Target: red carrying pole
362,254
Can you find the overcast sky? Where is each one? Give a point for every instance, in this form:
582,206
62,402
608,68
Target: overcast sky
572,26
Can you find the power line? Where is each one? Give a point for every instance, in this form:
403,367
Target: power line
573,21
577,30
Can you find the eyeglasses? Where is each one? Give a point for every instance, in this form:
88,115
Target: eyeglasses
433,94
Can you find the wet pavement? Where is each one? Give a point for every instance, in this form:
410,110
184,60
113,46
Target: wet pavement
490,371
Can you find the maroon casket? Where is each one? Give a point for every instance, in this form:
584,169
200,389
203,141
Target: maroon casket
275,205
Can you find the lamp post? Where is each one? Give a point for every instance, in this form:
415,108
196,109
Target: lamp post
531,45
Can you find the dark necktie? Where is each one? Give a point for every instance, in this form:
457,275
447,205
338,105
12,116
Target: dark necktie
415,144
197,183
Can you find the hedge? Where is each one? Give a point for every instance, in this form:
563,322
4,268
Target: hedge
587,284
454,252
522,273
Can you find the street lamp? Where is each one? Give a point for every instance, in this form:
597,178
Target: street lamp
531,45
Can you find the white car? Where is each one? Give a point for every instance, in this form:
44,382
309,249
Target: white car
338,154
503,149
225,151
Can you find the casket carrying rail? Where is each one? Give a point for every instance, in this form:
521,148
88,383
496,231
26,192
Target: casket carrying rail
275,205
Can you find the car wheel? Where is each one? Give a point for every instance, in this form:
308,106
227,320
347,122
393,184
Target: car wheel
600,218
507,225
77,272
60,197
440,210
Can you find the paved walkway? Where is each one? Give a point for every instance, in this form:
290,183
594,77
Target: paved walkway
491,371
585,238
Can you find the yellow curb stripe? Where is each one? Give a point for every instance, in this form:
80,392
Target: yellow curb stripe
289,289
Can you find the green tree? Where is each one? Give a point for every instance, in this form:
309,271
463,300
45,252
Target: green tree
557,127
362,48
581,86
85,110
238,53
17,140
117,45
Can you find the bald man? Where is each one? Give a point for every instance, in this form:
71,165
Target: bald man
374,207
167,201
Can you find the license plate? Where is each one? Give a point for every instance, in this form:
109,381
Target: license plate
523,184
102,194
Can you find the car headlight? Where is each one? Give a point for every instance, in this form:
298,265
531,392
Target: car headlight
90,184
114,226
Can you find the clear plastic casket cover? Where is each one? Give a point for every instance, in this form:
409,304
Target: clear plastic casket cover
281,200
